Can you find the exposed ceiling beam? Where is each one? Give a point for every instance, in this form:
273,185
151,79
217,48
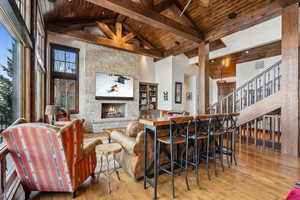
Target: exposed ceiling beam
106,30
128,37
215,45
177,11
181,48
139,36
83,22
150,17
286,3
147,3
163,5
121,18
99,40
119,31
257,16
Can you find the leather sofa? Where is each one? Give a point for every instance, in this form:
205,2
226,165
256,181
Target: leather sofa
131,158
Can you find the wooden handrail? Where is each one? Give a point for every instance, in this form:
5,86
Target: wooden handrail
256,89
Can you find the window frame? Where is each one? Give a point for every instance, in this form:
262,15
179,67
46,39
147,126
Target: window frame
64,75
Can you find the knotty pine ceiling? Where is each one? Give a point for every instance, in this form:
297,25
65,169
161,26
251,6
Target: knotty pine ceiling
204,18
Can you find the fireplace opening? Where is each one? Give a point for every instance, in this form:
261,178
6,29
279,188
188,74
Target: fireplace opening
113,110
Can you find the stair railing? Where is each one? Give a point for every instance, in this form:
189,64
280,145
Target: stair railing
261,86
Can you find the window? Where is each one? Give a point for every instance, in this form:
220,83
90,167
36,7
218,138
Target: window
40,69
9,78
65,83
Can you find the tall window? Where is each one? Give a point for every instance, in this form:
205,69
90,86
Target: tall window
9,79
65,83
39,69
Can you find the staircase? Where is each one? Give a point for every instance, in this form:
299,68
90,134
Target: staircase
258,101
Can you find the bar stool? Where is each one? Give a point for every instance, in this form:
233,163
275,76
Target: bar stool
230,132
194,137
106,150
174,139
214,142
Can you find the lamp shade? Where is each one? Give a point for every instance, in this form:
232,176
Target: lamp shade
51,110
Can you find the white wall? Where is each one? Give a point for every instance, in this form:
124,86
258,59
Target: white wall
260,34
181,68
247,71
147,70
163,76
176,69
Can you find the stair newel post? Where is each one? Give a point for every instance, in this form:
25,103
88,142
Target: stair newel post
241,99
221,105
234,102
247,97
274,77
264,86
227,98
255,91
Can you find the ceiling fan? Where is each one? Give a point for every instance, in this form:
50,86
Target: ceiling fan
204,3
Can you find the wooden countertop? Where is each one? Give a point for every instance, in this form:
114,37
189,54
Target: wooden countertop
180,119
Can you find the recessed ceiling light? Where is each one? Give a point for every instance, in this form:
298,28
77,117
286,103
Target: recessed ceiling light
232,15
212,61
246,52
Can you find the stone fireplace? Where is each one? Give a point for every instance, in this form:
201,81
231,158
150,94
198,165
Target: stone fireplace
113,110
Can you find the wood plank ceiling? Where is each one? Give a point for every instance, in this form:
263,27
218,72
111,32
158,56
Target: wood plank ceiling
166,36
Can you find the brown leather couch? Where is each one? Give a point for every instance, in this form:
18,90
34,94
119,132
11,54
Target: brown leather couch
131,158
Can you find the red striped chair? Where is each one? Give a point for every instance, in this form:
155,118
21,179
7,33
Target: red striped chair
51,159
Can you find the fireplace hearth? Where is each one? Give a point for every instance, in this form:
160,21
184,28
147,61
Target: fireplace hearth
113,110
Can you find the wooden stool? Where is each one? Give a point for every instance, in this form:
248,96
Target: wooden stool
106,150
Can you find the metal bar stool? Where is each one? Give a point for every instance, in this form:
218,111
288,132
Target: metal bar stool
230,132
197,133
174,139
214,140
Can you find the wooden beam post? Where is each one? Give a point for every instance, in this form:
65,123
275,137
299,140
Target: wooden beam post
290,80
203,52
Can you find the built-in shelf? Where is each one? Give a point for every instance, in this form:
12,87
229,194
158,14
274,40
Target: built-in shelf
148,91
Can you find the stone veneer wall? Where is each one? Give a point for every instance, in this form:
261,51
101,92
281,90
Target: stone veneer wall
106,60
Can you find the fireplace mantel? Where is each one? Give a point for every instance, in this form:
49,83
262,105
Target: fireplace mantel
99,121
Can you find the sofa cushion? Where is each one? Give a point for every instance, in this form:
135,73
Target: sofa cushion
133,129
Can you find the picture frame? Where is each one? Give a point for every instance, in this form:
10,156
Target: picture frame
178,93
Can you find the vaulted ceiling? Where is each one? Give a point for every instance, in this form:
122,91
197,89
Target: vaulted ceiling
155,27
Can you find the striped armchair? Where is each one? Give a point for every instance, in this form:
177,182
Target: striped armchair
51,159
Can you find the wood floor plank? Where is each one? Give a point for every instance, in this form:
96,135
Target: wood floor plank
261,174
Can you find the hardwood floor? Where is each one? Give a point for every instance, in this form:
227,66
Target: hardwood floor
260,174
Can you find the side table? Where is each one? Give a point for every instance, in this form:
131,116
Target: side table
108,131
107,150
